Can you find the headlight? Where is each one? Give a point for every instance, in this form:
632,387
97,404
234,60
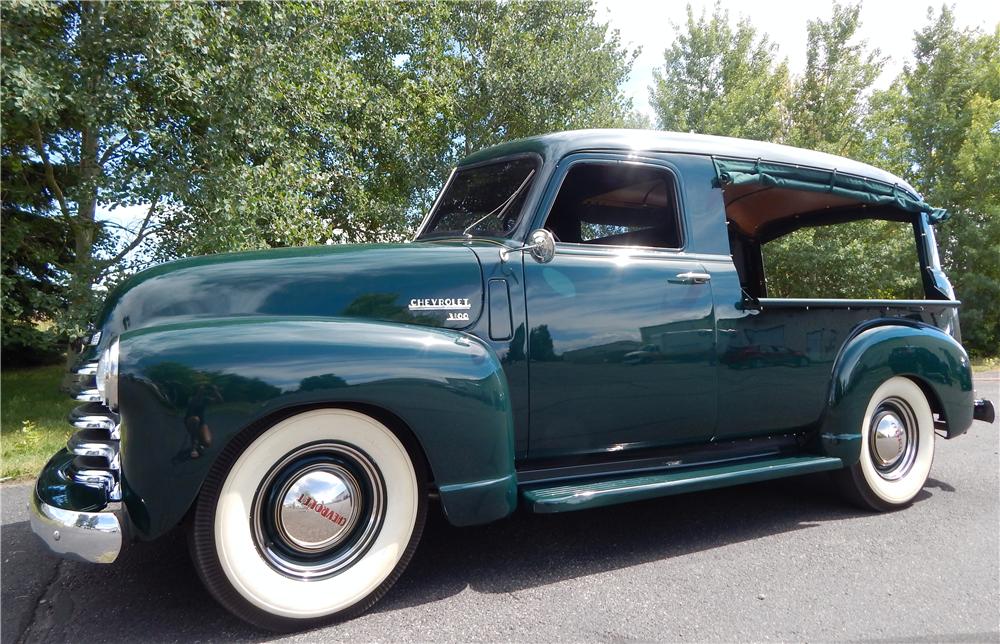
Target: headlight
107,376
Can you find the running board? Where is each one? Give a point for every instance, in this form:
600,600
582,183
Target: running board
596,493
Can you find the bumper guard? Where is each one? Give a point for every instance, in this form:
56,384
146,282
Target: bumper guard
95,537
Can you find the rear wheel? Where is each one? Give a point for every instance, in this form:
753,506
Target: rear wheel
311,520
897,448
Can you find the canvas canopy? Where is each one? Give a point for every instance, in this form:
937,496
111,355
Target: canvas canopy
746,172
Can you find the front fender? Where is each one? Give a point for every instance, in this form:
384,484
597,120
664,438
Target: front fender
187,389
925,354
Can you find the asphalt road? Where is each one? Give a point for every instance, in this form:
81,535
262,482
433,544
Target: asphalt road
783,560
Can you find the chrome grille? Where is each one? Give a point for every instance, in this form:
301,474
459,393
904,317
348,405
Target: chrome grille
82,383
96,416
95,444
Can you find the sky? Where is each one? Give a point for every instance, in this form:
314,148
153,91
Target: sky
885,24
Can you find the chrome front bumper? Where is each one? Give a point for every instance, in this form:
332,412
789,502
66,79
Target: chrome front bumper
76,505
95,537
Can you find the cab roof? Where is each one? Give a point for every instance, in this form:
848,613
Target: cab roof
559,144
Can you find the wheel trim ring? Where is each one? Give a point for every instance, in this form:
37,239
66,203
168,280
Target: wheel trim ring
899,466
343,552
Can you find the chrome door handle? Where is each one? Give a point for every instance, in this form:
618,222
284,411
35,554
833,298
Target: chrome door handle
693,278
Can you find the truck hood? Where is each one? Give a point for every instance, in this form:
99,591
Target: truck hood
425,283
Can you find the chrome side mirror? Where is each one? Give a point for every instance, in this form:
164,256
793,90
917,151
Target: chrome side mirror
541,244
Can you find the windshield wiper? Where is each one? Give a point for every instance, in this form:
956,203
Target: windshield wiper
499,210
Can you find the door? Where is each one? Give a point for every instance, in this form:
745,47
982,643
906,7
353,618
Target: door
621,339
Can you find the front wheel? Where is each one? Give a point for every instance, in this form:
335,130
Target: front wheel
310,520
897,449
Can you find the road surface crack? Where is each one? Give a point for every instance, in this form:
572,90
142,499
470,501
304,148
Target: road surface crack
37,602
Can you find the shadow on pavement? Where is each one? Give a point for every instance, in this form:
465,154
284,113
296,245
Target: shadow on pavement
529,550
153,591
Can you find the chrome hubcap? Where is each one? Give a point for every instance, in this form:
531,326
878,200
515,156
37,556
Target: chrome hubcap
319,507
318,510
892,439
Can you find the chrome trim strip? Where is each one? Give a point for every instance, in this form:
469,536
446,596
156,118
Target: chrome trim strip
95,422
95,537
94,477
88,395
636,252
74,383
91,416
794,303
437,200
89,369
89,447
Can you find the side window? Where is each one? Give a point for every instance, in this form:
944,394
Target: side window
616,205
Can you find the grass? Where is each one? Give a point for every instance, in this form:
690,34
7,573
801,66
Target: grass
32,419
985,364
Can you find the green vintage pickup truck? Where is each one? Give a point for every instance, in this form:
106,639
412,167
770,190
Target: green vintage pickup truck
582,319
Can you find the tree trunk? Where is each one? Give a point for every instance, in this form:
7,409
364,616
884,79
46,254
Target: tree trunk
83,272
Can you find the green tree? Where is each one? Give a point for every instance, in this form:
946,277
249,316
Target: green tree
828,103
53,141
718,79
940,130
233,125
869,259
516,69
827,109
251,125
33,249
321,115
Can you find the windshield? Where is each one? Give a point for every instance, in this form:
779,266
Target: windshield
484,200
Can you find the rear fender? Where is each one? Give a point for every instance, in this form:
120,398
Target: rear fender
925,354
186,390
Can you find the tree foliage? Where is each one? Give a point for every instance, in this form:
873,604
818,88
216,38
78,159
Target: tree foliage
829,102
250,125
313,123
950,116
717,79
867,259
828,106
937,125
518,69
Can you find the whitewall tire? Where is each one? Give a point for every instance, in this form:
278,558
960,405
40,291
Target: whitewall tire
310,519
897,448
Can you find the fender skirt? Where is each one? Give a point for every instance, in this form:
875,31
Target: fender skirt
187,389
925,354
